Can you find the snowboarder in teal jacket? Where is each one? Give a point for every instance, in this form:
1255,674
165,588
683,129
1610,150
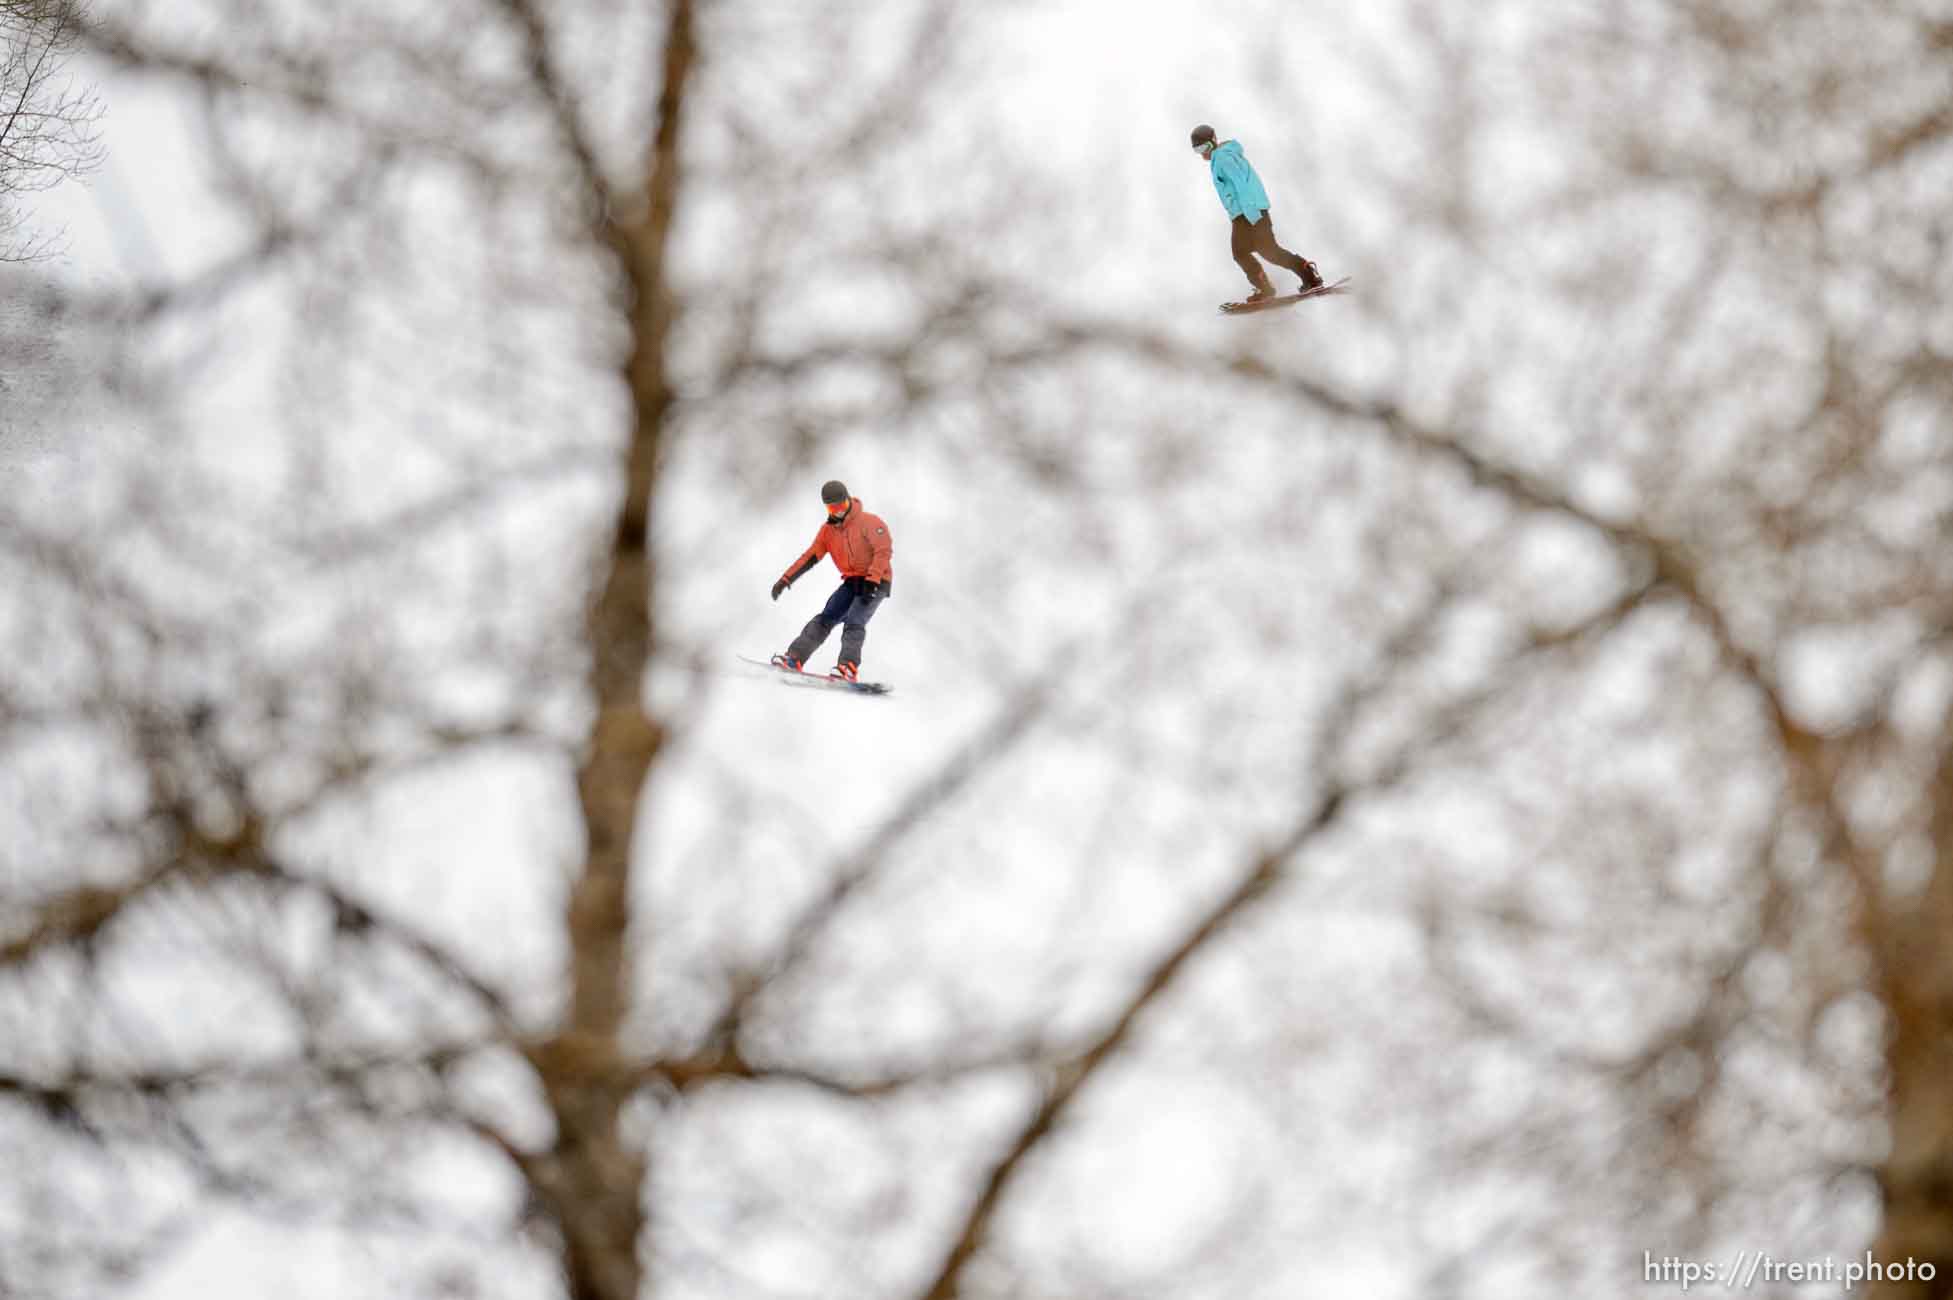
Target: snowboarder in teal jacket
1247,209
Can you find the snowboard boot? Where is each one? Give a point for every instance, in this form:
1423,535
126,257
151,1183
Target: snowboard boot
1310,277
787,662
1263,292
846,670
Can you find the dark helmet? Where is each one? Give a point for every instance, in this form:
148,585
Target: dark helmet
1202,135
834,492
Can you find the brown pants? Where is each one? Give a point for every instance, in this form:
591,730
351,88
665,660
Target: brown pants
1249,240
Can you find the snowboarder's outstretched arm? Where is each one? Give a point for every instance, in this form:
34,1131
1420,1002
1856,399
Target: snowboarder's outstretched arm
808,559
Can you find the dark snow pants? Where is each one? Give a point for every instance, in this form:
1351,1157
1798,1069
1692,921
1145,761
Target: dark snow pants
848,608
1249,240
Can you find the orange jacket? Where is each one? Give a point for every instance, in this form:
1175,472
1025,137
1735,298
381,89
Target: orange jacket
859,544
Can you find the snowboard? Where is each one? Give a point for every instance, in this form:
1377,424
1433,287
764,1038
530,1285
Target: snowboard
801,677
1284,300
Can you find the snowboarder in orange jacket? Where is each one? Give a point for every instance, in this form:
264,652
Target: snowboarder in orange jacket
860,547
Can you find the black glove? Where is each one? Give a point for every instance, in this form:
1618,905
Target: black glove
779,587
867,588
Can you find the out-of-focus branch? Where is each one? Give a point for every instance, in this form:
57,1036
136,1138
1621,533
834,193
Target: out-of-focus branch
1806,753
1262,874
593,1176
79,915
977,756
291,80
729,1065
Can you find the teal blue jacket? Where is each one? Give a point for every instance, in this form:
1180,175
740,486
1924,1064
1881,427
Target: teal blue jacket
1239,187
